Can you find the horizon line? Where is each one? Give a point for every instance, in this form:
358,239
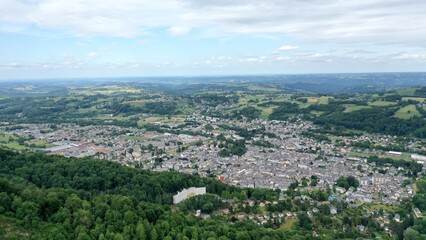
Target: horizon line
201,76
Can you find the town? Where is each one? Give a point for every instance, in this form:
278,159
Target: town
288,157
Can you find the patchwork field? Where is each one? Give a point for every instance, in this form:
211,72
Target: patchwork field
407,112
324,100
417,99
381,104
407,92
355,108
103,90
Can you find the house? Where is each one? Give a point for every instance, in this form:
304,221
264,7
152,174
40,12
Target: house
397,218
333,210
394,154
198,213
417,213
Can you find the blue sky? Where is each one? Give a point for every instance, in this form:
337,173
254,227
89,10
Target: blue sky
106,38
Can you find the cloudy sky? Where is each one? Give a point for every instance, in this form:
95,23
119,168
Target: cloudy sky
99,38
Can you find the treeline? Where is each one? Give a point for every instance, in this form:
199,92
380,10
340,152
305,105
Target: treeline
284,111
375,120
417,228
160,108
248,134
229,147
369,145
250,113
372,120
214,100
411,168
420,198
175,130
421,92
347,181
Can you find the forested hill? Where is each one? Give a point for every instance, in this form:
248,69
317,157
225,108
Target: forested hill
105,177
52,197
97,176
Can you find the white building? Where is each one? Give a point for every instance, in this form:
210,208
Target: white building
379,180
187,193
395,154
418,157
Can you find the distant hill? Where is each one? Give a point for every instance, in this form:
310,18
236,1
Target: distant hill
316,83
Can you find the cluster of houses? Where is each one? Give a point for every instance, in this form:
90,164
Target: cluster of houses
293,157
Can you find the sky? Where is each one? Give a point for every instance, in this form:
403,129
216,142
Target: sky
111,38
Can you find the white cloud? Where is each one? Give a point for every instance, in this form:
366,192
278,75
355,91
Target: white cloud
318,55
333,21
127,18
282,58
408,56
254,59
179,30
92,54
223,58
328,61
287,48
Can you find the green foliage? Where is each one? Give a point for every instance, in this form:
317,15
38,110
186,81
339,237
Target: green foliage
263,143
375,120
411,167
421,186
347,182
284,110
248,112
232,147
421,92
419,200
207,203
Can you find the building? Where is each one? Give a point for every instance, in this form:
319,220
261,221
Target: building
395,154
418,157
379,180
417,213
187,193
56,148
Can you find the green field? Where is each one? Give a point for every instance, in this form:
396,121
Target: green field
387,208
381,104
316,113
139,103
266,112
355,108
43,144
324,100
407,92
4,141
103,90
418,99
407,112
288,224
